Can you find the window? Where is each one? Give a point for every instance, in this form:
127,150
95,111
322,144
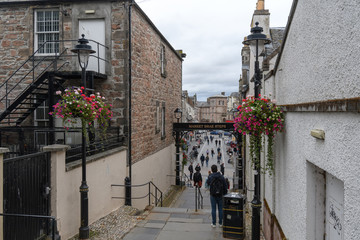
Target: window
46,29
163,61
157,117
163,121
41,120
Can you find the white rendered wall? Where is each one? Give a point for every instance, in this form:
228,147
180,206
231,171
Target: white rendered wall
320,58
319,62
158,168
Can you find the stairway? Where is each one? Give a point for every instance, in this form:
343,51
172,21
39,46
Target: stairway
29,99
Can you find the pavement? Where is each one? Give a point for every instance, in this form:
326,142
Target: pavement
181,221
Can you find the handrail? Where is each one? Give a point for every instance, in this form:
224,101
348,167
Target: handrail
53,58
53,219
149,194
199,199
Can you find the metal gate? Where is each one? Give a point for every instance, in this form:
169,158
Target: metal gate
26,191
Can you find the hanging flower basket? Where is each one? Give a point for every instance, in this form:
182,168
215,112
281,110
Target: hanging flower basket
260,117
74,105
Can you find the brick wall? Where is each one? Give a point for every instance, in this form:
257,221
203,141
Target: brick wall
150,88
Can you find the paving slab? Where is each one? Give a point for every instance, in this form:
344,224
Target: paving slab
186,227
168,210
140,233
206,235
154,225
186,220
158,216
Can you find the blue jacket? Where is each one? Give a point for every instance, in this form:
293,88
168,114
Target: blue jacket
217,175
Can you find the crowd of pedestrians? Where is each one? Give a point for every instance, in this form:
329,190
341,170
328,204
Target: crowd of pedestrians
215,182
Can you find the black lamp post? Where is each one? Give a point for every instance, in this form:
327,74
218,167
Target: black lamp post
256,37
83,51
178,115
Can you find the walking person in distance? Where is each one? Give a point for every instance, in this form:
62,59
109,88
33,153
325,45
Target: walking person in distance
218,188
191,170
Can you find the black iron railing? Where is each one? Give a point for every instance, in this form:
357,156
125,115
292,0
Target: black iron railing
199,199
153,192
35,66
27,140
16,231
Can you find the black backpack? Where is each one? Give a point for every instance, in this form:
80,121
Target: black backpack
217,187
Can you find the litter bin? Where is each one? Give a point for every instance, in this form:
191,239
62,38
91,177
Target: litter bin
234,217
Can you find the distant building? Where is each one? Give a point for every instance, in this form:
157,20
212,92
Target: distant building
214,109
189,111
233,102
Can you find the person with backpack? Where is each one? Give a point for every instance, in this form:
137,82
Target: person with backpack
218,188
197,178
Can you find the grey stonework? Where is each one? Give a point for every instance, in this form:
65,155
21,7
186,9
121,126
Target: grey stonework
148,86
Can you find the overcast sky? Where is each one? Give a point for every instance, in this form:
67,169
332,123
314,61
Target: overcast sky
210,32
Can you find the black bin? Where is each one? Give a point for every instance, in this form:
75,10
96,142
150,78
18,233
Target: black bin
234,216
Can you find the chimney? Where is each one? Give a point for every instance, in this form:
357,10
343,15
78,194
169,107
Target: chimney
260,5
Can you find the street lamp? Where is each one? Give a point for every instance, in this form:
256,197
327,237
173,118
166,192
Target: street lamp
178,115
259,40
83,52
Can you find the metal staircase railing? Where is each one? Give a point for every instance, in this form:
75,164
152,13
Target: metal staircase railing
27,87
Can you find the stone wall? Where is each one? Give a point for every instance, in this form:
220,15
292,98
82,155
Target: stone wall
150,89
17,45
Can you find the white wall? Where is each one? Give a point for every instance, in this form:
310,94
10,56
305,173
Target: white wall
319,62
158,168
323,50
65,195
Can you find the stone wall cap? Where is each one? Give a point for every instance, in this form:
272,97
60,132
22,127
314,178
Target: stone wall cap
4,150
55,148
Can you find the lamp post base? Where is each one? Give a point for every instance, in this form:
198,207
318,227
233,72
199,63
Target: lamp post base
84,224
255,228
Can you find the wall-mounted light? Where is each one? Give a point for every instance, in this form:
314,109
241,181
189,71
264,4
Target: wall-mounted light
317,133
89,11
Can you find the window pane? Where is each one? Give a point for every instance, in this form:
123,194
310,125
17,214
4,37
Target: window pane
40,16
47,30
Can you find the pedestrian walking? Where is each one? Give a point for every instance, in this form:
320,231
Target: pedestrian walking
202,159
216,141
218,188
212,153
197,178
219,158
191,170
197,168
219,143
222,168
218,149
207,160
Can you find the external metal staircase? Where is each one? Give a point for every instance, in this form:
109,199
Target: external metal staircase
28,87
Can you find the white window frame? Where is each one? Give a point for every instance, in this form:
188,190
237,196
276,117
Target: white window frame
54,47
163,129
163,61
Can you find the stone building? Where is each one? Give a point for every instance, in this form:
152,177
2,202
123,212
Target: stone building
312,193
315,78
189,110
214,109
233,102
135,68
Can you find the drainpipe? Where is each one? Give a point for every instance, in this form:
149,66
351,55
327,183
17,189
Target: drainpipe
128,192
